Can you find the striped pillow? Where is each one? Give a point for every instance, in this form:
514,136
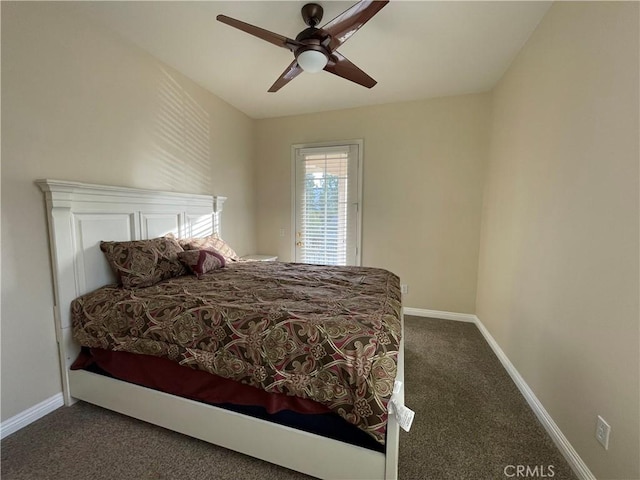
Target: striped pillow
211,242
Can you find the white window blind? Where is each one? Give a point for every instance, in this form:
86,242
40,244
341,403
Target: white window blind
327,205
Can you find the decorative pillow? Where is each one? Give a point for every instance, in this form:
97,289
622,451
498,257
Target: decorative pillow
211,242
142,263
202,261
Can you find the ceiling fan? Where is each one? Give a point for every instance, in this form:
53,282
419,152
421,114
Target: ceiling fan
315,48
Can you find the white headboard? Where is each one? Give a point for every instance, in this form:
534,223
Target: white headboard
80,215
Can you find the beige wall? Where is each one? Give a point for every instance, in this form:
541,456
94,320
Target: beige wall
558,276
423,173
80,104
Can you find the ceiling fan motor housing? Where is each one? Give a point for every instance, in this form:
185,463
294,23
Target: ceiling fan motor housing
312,39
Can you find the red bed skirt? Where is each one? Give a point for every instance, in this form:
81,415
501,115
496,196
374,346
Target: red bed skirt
170,377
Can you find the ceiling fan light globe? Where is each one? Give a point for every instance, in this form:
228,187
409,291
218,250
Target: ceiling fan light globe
312,61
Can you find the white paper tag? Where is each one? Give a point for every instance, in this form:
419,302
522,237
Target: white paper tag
404,415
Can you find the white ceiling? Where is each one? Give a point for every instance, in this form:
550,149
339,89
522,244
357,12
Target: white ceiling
414,49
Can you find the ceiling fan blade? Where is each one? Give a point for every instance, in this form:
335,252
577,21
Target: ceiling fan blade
289,74
340,66
276,39
348,22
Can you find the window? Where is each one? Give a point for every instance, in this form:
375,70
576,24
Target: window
327,203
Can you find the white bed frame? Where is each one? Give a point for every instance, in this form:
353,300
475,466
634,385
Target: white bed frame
79,217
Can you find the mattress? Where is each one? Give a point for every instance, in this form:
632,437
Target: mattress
329,334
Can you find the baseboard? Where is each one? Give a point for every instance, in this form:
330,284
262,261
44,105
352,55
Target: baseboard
30,415
577,464
458,317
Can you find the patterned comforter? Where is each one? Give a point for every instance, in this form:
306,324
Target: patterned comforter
326,333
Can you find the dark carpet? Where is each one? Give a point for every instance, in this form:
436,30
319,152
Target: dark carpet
471,423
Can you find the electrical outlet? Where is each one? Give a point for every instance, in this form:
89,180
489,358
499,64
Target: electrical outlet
404,288
281,232
603,430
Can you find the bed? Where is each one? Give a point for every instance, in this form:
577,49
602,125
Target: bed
80,216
